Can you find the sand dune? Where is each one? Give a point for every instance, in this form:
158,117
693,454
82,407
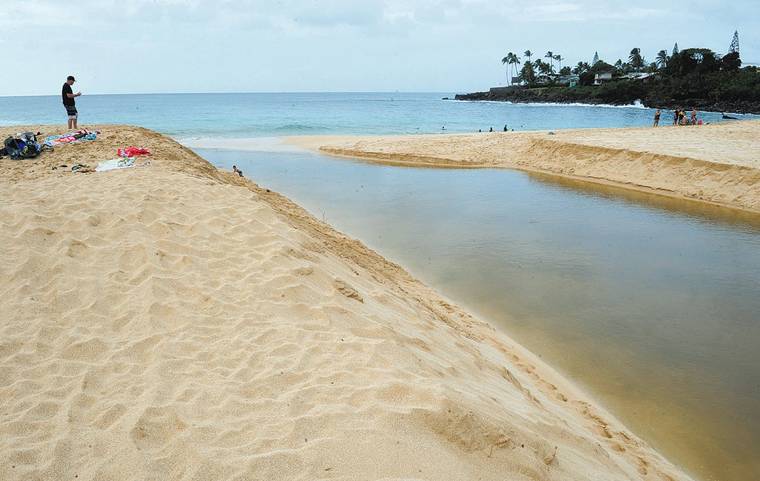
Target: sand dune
717,163
175,322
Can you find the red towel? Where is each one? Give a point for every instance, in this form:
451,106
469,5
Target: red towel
132,152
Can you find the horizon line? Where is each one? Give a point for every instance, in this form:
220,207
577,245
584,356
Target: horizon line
246,92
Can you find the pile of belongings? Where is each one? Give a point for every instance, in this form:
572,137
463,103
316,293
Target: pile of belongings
125,160
70,138
21,146
132,152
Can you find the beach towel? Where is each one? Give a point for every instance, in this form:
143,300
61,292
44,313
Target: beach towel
113,164
71,137
132,151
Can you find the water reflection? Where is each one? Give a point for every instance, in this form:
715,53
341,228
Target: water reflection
651,303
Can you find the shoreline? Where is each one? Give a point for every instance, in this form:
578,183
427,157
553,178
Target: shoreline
556,95
474,401
709,164
633,105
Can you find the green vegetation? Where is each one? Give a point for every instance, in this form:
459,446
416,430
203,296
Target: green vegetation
692,77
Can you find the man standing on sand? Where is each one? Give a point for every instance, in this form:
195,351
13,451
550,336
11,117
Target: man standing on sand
68,101
657,118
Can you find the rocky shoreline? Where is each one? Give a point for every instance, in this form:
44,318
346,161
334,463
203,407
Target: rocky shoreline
565,95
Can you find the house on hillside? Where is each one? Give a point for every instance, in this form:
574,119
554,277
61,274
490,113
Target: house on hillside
544,79
602,77
568,80
640,76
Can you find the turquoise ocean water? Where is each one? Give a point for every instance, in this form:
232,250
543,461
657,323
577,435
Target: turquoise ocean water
278,114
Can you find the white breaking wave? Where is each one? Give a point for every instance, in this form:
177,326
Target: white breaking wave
250,144
636,105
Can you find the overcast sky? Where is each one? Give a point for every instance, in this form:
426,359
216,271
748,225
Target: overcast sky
131,46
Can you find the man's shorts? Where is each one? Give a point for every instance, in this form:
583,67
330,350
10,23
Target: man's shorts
71,111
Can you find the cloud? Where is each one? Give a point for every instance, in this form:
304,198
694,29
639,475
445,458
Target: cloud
341,44
308,13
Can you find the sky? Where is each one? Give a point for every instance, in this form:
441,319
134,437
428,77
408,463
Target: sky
145,46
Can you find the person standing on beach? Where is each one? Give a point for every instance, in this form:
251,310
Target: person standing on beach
693,116
657,118
68,101
675,117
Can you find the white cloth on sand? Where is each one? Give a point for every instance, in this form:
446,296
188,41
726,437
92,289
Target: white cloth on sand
114,164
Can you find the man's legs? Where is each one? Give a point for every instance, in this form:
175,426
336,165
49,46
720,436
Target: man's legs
73,114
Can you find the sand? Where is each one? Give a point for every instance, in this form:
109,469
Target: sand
718,164
175,322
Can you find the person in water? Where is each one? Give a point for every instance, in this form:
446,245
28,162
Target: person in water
491,129
505,128
657,118
69,103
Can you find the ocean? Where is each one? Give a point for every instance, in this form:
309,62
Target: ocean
245,115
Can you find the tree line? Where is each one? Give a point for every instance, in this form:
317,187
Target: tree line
676,64
692,77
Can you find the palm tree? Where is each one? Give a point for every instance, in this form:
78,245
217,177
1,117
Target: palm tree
662,59
559,59
550,56
528,54
543,67
528,74
582,67
515,63
635,59
507,61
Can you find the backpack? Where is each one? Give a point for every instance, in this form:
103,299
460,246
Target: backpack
23,146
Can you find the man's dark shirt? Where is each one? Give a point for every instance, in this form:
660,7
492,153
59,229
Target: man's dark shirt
66,99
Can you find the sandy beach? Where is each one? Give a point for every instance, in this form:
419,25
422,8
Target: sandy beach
171,321
717,164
